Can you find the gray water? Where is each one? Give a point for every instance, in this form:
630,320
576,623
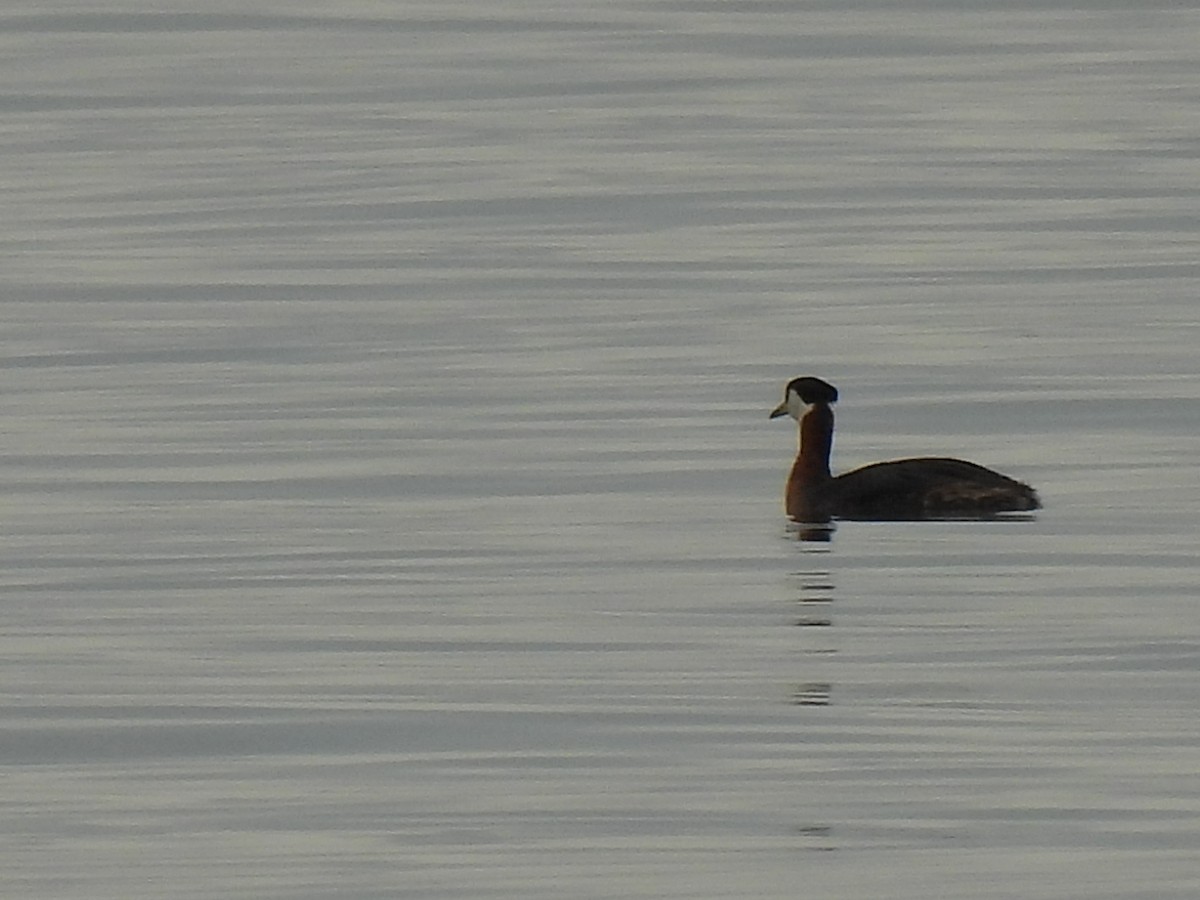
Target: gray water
390,507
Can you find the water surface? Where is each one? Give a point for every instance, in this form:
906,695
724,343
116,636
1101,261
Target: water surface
391,507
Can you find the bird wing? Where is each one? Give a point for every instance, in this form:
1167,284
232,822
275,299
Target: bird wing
922,481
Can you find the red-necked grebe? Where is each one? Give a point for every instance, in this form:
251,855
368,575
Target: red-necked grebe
901,489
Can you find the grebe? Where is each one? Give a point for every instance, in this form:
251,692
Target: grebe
901,489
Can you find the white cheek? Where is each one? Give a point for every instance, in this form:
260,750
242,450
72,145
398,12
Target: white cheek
795,405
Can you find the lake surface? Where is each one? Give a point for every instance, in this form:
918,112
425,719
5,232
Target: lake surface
391,508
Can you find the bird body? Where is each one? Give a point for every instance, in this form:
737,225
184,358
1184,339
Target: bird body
923,487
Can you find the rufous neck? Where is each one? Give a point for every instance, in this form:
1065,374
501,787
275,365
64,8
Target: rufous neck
816,442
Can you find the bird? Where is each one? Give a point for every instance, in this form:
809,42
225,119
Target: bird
920,488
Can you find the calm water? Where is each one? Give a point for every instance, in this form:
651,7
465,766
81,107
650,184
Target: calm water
390,504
